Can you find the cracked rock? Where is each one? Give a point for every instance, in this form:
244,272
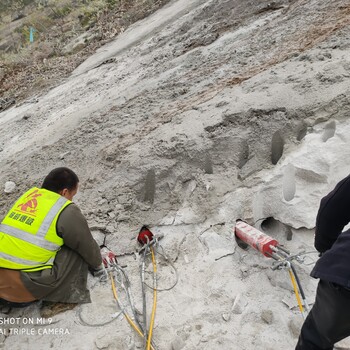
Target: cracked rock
239,304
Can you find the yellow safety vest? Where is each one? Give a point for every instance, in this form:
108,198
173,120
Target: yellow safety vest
28,237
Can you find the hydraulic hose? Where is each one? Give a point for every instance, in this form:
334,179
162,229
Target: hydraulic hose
131,322
154,299
296,292
306,306
292,273
130,298
144,305
175,271
295,280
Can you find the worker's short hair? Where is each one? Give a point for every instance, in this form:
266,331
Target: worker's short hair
60,178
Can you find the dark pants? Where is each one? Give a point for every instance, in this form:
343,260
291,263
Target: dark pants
4,302
329,319
65,282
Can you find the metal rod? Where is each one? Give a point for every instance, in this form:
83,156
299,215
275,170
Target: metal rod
284,249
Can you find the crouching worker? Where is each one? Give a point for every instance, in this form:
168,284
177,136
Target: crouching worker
46,246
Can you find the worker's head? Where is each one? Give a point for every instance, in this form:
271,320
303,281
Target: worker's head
63,181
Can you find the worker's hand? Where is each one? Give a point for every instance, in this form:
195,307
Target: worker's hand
100,272
108,257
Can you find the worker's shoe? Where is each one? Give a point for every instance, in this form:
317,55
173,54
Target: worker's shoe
50,309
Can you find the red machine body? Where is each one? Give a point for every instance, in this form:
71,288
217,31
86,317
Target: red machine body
145,235
255,238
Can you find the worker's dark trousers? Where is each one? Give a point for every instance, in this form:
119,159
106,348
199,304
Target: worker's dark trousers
329,319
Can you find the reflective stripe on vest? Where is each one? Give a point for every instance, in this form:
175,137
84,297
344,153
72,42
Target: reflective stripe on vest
30,245
50,217
28,237
24,261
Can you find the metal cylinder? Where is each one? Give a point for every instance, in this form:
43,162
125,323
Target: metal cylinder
255,238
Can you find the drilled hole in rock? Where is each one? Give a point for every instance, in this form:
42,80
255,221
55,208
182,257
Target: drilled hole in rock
268,223
276,229
243,154
289,187
150,186
208,165
241,243
277,145
329,131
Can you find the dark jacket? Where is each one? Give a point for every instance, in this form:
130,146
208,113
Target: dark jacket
66,281
333,215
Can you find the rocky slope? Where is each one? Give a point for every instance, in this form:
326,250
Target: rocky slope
203,113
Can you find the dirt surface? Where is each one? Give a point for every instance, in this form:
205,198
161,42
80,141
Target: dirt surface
200,114
65,34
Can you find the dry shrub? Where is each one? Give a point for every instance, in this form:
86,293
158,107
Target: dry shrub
42,64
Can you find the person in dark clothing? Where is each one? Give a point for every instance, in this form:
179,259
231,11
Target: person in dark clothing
46,245
329,319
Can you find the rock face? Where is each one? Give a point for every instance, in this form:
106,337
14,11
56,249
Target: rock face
204,113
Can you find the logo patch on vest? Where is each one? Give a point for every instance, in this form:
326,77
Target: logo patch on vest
31,204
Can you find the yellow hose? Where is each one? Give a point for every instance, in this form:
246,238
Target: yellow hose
296,292
131,322
154,300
